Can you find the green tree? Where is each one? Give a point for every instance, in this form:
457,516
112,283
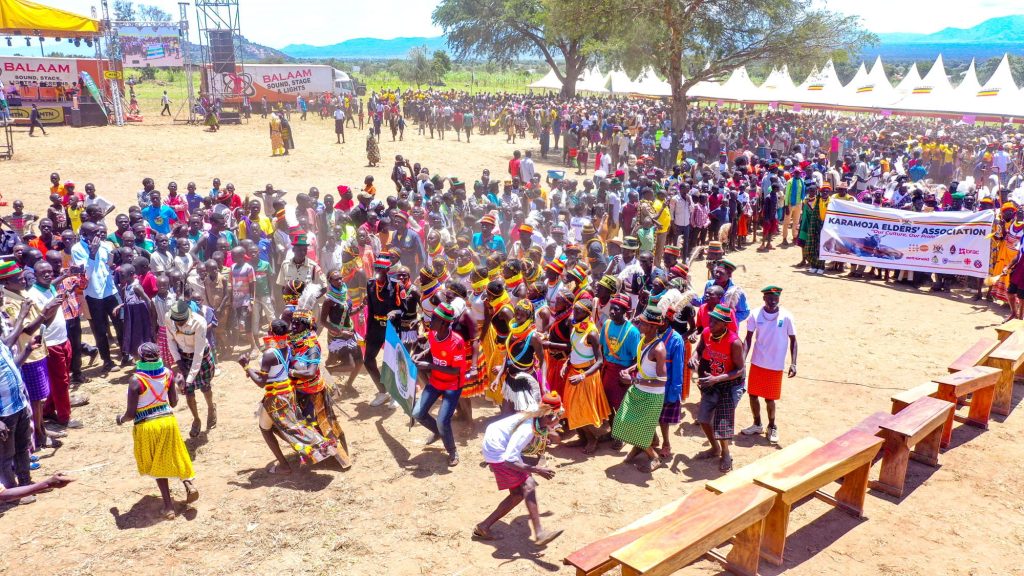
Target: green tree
417,68
502,31
440,65
148,13
124,10
691,41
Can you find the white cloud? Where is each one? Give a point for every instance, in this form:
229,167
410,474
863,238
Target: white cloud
925,17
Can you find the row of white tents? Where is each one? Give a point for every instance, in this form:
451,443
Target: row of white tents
870,90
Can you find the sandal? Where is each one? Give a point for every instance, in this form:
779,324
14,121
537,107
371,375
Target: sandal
170,514
545,538
651,466
276,469
453,461
485,535
196,428
725,465
707,454
211,417
192,494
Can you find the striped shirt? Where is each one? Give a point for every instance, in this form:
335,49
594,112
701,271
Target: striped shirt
699,217
13,397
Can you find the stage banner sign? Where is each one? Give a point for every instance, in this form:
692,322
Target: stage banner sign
941,242
47,114
156,46
15,70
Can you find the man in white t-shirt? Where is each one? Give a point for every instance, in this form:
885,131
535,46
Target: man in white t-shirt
58,348
776,333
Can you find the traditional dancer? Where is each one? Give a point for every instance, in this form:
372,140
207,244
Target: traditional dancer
277,413
159,449
719,363
524,351
190,349
312,395
586,406
506,442
637,419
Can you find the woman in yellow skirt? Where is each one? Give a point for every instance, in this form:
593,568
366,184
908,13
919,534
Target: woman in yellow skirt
586,407
490,353
159,449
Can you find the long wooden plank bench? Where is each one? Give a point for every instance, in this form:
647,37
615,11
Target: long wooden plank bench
737,515
595,558
779,459
918,427
1008,357
975,355
849,457
901,400
978,381
1004,330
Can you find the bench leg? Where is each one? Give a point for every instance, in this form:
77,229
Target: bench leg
946,433
776,524
744,557
850,496
894,465
982,407
1004,392
927,450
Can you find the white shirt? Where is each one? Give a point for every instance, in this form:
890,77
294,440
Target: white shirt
527,170
505,439
771,337
339,114
681,210
56,332
101,202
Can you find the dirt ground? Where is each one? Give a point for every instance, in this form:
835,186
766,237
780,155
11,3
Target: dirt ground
400,510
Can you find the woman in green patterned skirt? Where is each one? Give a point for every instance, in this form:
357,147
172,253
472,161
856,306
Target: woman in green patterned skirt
637,418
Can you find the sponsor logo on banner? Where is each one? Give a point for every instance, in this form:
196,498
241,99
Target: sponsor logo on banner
47,114
14,69
889,238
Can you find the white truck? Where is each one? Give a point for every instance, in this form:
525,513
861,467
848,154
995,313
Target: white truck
282,82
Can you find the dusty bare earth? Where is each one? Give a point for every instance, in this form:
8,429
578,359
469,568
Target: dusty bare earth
400,511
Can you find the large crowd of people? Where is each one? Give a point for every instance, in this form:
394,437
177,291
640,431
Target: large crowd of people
572,307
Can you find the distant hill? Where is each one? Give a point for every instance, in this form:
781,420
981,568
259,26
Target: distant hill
1002,30
366,48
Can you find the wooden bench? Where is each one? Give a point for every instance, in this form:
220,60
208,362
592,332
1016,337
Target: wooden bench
737,515
849,457
979,381
1008,357
918,426
975,355
1004,330
872,424
903,399
779,459
595,558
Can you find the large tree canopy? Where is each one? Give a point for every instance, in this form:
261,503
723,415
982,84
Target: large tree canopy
690,41
504,30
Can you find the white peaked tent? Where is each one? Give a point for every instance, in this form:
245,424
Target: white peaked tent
548,82
856,92
909,82
933,94
820,87
648,84
592,81
777,85
739,86
881,94
999,96
619,82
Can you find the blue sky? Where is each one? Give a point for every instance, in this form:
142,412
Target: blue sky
321,22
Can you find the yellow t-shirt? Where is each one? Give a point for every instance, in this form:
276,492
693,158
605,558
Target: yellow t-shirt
75,217
664,219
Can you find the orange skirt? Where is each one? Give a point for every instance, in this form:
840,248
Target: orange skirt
764,383
585,403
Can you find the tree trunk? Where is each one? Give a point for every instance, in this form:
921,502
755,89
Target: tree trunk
572,74
675,80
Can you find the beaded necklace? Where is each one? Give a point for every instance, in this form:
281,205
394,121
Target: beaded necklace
614,342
